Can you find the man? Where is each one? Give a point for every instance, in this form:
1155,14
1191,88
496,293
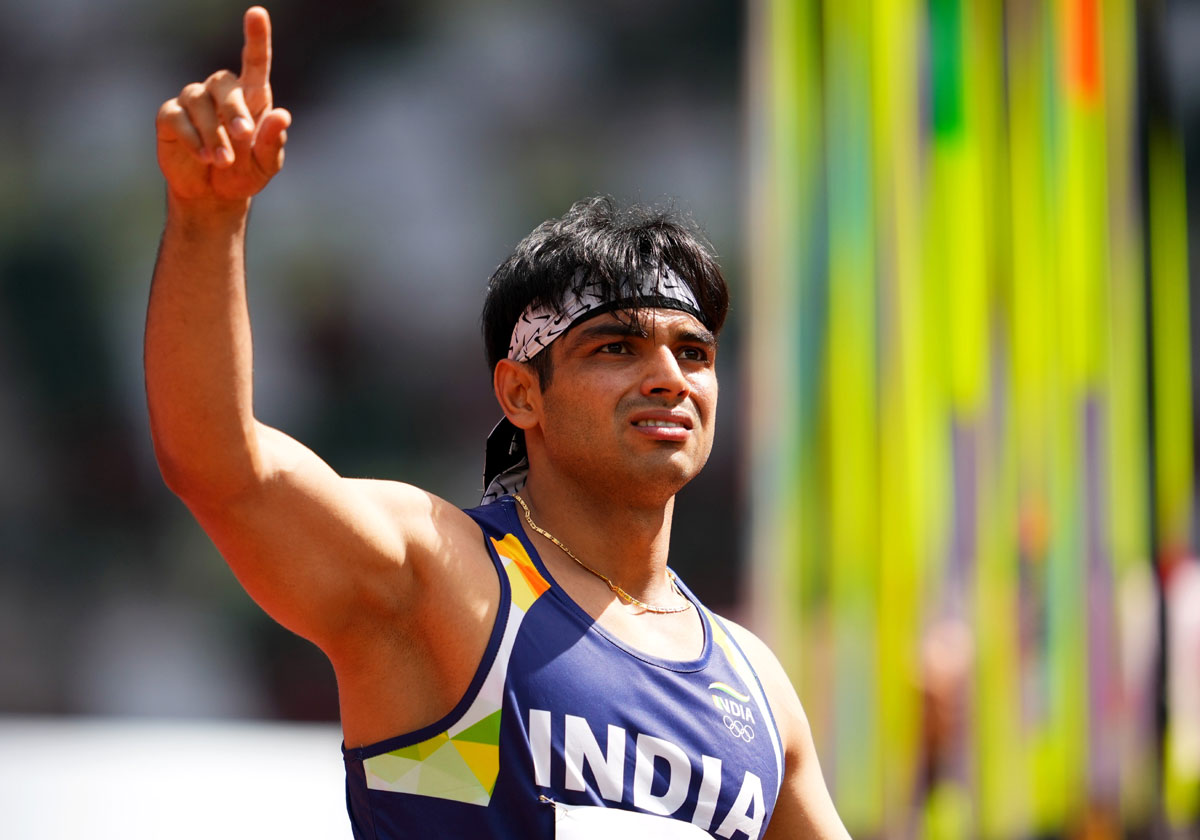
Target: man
530,668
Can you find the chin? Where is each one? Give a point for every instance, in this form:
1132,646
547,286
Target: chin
667,479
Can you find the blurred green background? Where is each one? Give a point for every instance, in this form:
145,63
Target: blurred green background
955,478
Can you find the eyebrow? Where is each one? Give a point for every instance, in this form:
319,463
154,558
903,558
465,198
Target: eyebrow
622,329
610,329
704,337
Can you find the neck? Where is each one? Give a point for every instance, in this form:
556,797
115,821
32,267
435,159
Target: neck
624,538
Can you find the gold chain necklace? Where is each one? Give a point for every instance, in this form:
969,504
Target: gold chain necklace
621,593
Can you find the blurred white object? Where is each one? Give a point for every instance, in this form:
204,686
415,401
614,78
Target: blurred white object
133,779
1182,591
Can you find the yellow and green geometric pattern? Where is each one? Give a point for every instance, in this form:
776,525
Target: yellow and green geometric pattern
462,763
461,767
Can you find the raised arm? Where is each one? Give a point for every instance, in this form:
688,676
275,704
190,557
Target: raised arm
219,142
342,562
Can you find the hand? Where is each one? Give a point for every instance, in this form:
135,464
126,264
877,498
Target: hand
221,138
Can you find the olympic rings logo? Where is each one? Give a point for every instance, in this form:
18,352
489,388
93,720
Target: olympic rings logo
739,730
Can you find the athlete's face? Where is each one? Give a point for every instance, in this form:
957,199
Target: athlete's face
633,406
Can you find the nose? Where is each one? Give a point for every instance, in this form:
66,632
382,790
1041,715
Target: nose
664,377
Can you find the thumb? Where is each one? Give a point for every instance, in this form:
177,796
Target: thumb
270,140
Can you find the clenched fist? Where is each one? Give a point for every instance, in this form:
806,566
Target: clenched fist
222,138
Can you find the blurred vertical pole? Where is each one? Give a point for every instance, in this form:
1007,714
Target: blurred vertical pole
772,208
1061,760
957,277
1056,775
789,593
1127,468
1086,277
982,426
1173,456
896,28
1167,223
1031,319
852,428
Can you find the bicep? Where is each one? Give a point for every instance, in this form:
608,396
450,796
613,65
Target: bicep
316,551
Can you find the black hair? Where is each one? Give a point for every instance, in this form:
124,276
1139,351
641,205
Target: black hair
610,245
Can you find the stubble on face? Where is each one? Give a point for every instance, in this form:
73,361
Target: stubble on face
606,377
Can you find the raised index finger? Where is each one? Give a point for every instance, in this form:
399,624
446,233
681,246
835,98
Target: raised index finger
256,54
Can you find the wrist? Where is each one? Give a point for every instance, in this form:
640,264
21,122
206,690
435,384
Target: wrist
207,211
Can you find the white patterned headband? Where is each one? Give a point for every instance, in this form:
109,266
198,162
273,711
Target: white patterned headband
505,464
538,326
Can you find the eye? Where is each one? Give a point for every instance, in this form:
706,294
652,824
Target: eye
615,347
693,354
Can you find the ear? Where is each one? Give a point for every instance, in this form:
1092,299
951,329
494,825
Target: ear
519,393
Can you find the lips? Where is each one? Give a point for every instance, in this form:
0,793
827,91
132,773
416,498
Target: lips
665,425
663,419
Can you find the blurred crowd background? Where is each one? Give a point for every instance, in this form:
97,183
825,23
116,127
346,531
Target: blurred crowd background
955,482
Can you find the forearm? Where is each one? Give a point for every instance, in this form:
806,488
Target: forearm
198,350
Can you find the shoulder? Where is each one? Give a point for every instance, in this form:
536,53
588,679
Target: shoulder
755,648
789,714
427,520
804,807
784,701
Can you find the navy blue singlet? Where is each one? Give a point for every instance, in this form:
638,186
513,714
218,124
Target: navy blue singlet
568,733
